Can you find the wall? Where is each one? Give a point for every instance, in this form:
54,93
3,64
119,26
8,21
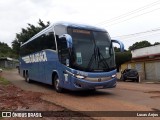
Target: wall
147,51
149,71
8,64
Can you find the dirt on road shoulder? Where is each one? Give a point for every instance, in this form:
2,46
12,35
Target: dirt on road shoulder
13,98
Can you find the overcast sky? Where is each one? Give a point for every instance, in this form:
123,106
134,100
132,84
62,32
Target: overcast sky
118,17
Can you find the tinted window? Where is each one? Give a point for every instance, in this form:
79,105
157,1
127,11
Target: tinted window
92,50
45,41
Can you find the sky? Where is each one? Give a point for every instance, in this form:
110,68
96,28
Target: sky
127,20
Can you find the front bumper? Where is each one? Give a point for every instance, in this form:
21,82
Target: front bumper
82,84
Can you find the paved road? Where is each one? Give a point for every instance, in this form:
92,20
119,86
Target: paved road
126,96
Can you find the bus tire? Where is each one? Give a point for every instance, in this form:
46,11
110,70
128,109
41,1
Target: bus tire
56,85
91,90
27,78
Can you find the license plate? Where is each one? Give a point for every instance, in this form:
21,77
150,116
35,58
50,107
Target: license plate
99,87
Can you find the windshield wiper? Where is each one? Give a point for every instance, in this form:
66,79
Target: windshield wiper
97,55
102,60
92,59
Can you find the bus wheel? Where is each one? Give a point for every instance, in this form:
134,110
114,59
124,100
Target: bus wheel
27,78
56,85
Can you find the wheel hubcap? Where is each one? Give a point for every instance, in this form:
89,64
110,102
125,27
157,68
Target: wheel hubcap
57,84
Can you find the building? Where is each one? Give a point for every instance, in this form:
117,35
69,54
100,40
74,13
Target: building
147,62
6,62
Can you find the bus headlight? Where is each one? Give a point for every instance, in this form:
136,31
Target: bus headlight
113,76
79,76
75,75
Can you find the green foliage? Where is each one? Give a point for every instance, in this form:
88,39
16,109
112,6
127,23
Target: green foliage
156,43
3,81
5,50
26,34
118,49
122,57
140,44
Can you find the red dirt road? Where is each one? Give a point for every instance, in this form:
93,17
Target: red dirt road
125,97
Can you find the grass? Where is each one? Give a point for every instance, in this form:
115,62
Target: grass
6,68
3,81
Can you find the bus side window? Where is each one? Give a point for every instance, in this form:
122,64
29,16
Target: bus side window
47,41
51,41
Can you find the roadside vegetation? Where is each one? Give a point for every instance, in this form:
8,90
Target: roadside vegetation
3,81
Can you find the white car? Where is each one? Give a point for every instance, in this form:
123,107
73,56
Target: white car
1,70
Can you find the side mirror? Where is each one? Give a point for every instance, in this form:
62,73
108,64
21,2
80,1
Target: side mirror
65,45
68,39
120,43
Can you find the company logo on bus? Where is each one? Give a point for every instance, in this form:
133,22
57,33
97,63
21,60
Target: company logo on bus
38,57
99,79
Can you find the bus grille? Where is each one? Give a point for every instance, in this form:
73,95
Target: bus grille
101,79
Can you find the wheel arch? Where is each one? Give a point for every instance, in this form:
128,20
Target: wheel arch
26,72
54,74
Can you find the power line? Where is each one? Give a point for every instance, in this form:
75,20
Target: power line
130,13
153,34
139,33
133,17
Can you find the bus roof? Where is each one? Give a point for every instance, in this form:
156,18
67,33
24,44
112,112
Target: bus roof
80,26
66,24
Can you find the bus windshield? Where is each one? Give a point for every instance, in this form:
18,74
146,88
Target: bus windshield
92,50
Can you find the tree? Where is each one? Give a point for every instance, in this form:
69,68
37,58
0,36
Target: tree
118,49
5,50
141,44
122,57
156,43
26,34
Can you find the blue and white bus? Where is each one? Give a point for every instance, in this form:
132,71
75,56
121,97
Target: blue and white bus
70,56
